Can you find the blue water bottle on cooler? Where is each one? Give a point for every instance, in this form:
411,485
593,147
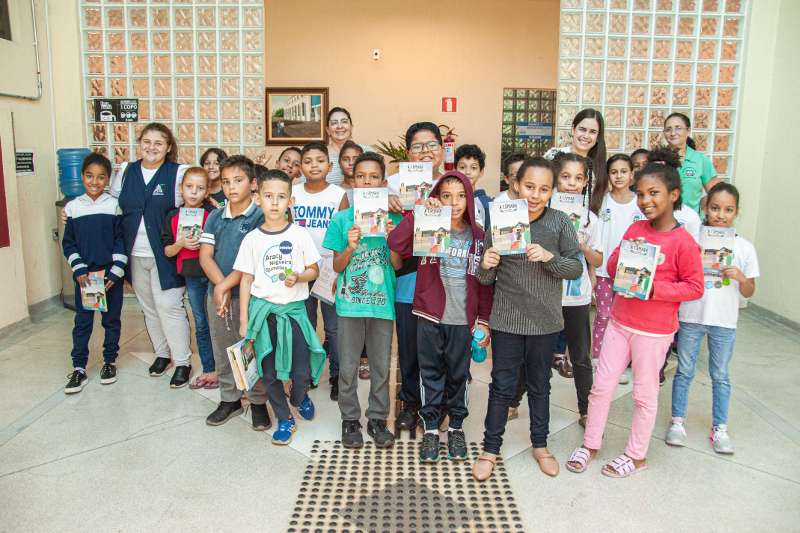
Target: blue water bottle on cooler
478,352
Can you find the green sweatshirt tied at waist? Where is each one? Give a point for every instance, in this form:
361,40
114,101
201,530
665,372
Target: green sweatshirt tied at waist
258,330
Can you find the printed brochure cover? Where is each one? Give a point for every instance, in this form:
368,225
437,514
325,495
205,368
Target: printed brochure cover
432,231
244,364
93,295
416,183
190,222
510,226
571,204
636,268
717,248
237,377
371,211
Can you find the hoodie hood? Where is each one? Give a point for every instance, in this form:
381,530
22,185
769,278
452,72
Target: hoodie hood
470,199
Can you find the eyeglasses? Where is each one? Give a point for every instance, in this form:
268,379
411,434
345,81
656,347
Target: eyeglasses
430,146
676,129
512,176
343,122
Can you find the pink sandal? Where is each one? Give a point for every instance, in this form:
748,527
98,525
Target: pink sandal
624,467
582,456
203,383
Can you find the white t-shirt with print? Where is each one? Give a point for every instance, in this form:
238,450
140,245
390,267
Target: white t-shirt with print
315,211
579,291
689,219
615,219
719,305
270,257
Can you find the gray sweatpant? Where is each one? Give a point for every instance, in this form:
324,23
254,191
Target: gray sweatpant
225,333
353,333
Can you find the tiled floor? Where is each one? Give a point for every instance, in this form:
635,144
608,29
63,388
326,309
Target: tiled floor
138,456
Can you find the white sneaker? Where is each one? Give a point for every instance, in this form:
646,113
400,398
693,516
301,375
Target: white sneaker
720,440
676,434
624,379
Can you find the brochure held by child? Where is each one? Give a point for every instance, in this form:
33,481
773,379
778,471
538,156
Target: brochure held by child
242,357
416,183
717,248
510,226
432,231
636,268
190,222
325,285
371,211
571,204
93,295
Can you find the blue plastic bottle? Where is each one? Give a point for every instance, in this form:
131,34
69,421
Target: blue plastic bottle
478,353
70,161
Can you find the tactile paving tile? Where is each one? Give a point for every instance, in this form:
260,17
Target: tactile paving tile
372,490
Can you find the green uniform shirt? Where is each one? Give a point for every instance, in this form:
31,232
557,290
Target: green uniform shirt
695,172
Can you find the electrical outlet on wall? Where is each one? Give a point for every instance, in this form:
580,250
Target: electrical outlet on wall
55,234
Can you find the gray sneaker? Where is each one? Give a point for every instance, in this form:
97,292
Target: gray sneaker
720,440
676,434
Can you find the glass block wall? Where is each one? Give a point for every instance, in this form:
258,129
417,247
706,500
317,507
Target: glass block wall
526,105
195,65
639,60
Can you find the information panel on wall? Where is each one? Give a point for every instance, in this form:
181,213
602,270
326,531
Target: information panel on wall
116,110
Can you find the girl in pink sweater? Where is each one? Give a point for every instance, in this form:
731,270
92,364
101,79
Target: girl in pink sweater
640,331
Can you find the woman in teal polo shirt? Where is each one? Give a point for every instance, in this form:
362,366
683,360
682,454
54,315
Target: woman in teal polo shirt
697,172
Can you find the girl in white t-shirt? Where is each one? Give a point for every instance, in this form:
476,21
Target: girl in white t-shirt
716,315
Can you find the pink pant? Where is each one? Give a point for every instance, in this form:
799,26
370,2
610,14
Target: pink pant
604,294
646,355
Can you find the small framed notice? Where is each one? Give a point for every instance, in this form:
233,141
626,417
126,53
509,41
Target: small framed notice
24,162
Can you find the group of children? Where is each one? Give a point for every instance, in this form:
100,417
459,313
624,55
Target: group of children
251,272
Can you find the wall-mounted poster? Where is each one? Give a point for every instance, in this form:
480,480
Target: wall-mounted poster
296,116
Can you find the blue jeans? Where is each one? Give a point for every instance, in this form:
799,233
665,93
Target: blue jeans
330,323
197,288
720,351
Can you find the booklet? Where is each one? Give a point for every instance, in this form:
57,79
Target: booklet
432,231
371,211
717,248
244,364
325,285
416,183
237,377
190,222
510,226
571,204
636,268
93,295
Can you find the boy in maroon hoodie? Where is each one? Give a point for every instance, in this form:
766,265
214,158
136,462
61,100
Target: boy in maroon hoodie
453,304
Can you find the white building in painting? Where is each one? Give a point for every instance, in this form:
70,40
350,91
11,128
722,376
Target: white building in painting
306,107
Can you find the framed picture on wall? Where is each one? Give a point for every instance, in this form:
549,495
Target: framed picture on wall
296,115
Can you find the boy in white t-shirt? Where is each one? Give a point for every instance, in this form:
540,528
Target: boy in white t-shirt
315,203
277,262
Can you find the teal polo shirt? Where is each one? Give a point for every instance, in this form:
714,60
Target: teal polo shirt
695,172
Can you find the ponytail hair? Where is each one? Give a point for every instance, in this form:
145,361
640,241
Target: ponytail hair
598,183
663,162
535,162
688,123
172,153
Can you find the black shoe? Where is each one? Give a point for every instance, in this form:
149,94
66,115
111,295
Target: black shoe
181,376
334,381
108,374
408,416
351,434
225,411
439,424
261,420
661,378
310,386
76,382
456,445
429,448
160,366
381,436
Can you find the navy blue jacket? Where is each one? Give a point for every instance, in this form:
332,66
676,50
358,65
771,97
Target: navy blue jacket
93,237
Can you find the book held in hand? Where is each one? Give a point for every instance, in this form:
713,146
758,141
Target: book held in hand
432,231
571,204
244,364
371,211
717,248
416,183
93,295
636,268
510,226
324,288
190,223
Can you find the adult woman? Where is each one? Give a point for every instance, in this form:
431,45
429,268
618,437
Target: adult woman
339,126
147,190
210,161
697,172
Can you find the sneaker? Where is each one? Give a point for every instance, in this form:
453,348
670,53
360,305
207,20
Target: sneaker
407,418
429,448
260,415
351,434
456,445
720,439
76,382
160,366
306,410
673,349
108,374
181,376
381,436
224,412
334,381
661,378
624,379
283,435
676,434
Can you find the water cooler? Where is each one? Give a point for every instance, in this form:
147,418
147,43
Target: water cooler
70,161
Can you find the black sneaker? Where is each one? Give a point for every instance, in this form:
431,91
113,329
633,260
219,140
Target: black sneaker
381,436
334,381
261,420
181,376
440,423
351,434
108,374
160,366
407,418
76,382
456,445
429,448
225,411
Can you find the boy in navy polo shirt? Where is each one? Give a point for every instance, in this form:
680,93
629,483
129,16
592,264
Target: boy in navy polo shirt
219,244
